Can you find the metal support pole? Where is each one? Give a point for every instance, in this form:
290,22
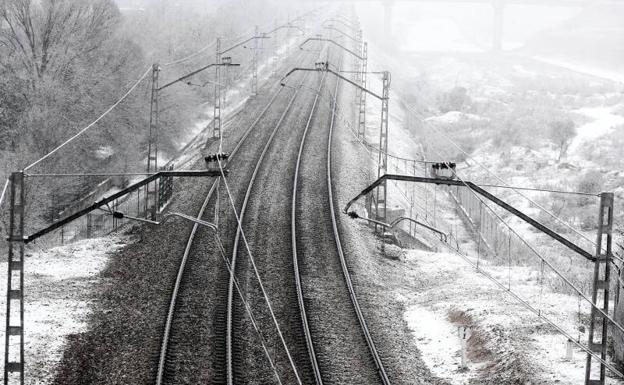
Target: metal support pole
254,66
382,168
412,200
275,49
362,114
13,356
90,225
358,65
226,86
602,269
151,199
216,120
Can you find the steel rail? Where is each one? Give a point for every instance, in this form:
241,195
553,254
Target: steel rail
293,232
343,262
237,238
178,283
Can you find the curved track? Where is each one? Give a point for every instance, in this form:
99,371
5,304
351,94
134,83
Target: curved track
345,270
322,341
168,368
345,349
234,316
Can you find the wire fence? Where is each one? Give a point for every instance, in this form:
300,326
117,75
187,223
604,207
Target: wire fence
100,222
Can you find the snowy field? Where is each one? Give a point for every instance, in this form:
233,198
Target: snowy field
510,343
503,330
60,284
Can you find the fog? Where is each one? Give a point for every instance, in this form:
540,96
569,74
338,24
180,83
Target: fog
587,36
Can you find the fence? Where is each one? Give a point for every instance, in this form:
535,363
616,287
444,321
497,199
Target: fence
101,223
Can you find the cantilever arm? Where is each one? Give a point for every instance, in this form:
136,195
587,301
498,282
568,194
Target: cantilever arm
333,42
341,22
327,69
452,182
165,218
285,26
343,34
195,73
241,43
119,194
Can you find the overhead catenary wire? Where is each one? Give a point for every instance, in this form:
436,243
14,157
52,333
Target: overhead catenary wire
257,274
206,47
538,255
523,302
535,311
147,71
501,180
241,294
452,142
517,190
195,54
531,248
83,130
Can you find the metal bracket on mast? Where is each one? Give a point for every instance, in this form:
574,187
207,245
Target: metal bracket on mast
254,66
362,101
379,209
357,65
151,196
382,167
216,120
14,357
598,325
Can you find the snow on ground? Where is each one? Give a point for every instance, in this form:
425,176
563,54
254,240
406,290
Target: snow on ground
510,341
439,343
603,121
581,68
503,326
59,287
452,117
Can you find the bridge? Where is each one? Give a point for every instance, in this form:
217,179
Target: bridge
498,7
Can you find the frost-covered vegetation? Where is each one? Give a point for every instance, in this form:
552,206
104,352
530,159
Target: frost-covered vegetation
65,62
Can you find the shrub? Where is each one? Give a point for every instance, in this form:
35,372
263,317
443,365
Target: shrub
454,100
592,182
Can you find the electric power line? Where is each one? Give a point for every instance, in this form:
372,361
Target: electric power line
83,130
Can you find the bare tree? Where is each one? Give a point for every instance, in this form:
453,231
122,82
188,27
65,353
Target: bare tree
561,133
45,38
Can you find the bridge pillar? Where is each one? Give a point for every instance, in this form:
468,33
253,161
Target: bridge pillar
497,35
388,8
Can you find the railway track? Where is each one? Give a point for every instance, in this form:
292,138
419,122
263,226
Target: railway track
207,339
347,346
289,351
187,303
346,353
